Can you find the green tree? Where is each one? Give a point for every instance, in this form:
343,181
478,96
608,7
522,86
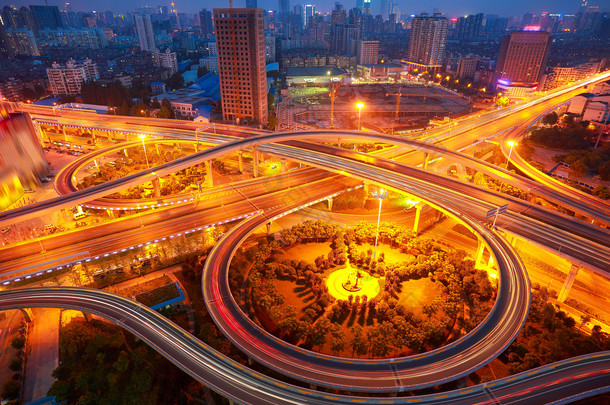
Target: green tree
359,342
202,71
604,170
272,122
11,389
550,119
18,342
580,167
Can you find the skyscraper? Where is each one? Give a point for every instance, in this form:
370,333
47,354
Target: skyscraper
469,26
251,3
47,16
205,22
521,60
240,43
144,31
427,42
308,12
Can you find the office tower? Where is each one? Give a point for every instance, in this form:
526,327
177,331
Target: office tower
522,59
469,26
205,22
284,7
47,16
68,79
495,26
427,42
366,10
368,52
251,3
383,9
240,40
360,5
308,12
166,60
144,31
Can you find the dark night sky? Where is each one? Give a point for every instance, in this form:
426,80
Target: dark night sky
451,8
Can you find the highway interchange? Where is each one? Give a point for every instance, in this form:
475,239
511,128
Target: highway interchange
510,310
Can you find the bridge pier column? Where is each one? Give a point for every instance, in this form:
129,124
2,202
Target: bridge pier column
125,152
268,228
418,209
208,172
480,251
339,141
426,160
240,156
330,203
157,186
567,284
491,260
85,316
255,161
63,131
283,165
110,212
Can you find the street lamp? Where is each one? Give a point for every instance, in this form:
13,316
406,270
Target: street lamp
359,104
382,196
511,144
144,146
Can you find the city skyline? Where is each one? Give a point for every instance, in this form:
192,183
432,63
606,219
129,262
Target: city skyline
448,8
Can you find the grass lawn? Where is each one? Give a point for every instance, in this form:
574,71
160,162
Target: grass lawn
417,293
307,251
392,255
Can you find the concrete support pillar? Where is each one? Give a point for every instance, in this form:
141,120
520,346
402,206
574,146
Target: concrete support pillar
240,156
255,161
110,212
268,228
63,130
480,251
125,152
490,263
157,148
208,172
567,285
85,315
283,165
418,209
157,186
339,141
330,204
426,160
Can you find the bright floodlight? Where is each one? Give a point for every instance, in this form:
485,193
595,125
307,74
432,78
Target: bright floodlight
141,136
511,143
359,104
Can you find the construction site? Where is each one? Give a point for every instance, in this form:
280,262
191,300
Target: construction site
384,106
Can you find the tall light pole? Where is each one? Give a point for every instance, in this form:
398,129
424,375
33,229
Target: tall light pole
511,144
333,94
359,104
144,146
381,196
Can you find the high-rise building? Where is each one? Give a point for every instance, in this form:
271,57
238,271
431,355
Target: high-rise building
521,61
467,67
68,79
368,52
427,42
144,31
469,26
251,3
205,22
366,7
308,12
166,60
47,17
240,40
9,17
73,37
23,42
5,44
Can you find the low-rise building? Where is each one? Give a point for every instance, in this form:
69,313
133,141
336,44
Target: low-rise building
313,75
166,60
195,100
380,71
157,88
68,78
210,63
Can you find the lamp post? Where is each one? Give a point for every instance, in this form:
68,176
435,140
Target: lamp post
381,196
511,144
359,104
144,146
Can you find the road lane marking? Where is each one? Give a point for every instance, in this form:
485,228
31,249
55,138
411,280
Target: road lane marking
465,392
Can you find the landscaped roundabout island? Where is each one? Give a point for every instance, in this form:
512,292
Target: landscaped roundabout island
321,287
